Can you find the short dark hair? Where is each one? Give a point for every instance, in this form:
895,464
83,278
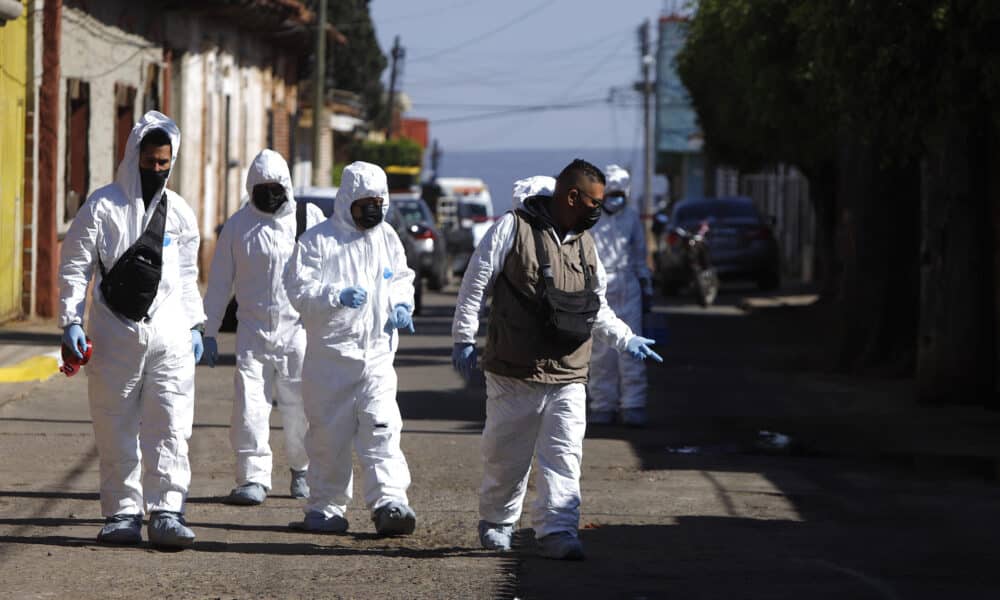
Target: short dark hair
577,170
156,138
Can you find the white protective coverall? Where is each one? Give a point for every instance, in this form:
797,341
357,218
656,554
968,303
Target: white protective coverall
250,256
617,381
348,381
141,377
525,418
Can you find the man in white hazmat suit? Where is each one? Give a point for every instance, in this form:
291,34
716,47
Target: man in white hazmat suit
141,377
536,370
618,383
250,257
349,280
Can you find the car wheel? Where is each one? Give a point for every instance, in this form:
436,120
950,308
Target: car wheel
768,282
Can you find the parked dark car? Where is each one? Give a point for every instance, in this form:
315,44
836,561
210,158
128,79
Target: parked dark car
741,243
416,220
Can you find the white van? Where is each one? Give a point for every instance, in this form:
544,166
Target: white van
464,212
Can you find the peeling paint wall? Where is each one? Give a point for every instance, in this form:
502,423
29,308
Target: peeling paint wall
102,55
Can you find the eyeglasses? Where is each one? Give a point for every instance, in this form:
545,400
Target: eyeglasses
598,201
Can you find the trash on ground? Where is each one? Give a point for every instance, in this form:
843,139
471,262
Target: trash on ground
772,440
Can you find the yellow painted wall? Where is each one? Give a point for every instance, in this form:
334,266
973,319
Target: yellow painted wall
13,86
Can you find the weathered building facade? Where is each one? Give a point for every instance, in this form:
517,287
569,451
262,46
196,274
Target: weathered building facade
226,71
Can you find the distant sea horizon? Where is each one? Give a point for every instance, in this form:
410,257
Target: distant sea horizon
501,168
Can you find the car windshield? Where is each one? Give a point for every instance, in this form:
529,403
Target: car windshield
411,212
468,210
697,211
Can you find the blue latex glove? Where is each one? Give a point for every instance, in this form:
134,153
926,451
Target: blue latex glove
639,348
74,337
197,345
353,297
211,351
463,358
401,318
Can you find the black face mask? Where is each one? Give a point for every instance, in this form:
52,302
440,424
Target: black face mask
268,198
371,215
589,218
152,182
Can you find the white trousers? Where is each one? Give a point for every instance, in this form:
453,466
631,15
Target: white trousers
351,404
523,420
259,380
618,381
141,388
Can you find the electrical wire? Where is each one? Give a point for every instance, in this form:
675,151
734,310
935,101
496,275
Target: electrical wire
537,8
524,109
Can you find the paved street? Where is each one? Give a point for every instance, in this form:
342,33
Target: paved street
870,498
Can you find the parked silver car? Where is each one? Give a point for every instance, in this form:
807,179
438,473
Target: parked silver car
412,217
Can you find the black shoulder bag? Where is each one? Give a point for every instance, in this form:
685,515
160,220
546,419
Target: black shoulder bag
570,314
129,288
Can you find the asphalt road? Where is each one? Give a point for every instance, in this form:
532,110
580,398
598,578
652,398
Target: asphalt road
871,497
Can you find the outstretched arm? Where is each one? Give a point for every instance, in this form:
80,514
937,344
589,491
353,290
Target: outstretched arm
486,263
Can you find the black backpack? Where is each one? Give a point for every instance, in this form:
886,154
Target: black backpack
129,288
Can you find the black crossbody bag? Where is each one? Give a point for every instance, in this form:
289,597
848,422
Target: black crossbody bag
129,288
571,315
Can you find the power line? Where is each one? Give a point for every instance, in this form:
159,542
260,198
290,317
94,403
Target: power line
490,33
523,109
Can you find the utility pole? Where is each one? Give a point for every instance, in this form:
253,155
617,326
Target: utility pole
435,159
647,120
319,95
397,55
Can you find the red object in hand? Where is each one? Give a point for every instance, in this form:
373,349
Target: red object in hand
71,363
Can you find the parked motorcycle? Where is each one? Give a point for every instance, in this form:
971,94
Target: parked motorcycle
695,264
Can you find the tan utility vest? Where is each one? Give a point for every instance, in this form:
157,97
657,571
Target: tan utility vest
518,343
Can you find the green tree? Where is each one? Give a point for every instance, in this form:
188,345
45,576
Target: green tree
357,65
895,102
402,152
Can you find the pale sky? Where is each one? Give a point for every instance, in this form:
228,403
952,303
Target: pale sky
466,59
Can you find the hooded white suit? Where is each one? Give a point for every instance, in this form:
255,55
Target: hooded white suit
250,256
617,381
348,381
141,377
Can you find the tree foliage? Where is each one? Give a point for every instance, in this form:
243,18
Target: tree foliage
356,66
900,101
753,87
402,152
779,80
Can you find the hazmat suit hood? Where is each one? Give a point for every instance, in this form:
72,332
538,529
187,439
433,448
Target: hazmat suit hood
270,167
526,190
617,180
127,175
359,180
